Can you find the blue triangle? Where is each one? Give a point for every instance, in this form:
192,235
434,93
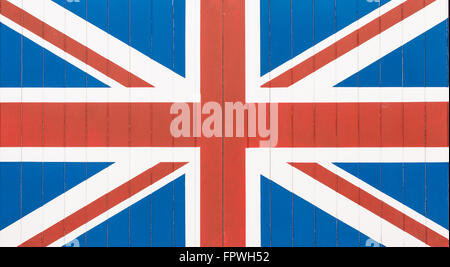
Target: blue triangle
288,220
157,220
419,63
26,186
26,64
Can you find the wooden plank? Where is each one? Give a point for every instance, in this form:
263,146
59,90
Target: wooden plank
234,149
325,119
211,166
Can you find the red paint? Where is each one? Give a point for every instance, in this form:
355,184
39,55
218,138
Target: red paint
211,165
32,125
373,204
71,46
102,204
53,125
348,43
234,148
298,131
392,125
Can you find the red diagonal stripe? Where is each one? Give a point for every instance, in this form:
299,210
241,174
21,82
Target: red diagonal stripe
348,43
71,46
103,204
373,204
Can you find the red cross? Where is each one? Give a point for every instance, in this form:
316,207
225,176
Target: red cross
222,159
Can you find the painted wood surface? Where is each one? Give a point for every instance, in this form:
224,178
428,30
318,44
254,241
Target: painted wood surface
354,92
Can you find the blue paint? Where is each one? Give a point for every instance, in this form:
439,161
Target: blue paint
40,182
163,211
155,221
179,212
119,229
33,61
304,223
97,237
140,223
10,195
162,21
10,58
392,180
414,186
288,220
281,217
156,28
414,63
348,237
141,26
179,35
326,229
54,71
391,71
266,210
97,11
119,20
346,12
437,192
324,19
32,185
275,33
436,56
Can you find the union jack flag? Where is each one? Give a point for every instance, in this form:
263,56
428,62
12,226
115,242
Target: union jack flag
87,157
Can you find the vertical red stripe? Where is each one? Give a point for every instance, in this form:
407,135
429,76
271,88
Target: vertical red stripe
211,149
234,148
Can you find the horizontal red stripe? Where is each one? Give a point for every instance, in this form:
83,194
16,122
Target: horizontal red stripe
373,204
148,125
348,43
71,46
102,204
